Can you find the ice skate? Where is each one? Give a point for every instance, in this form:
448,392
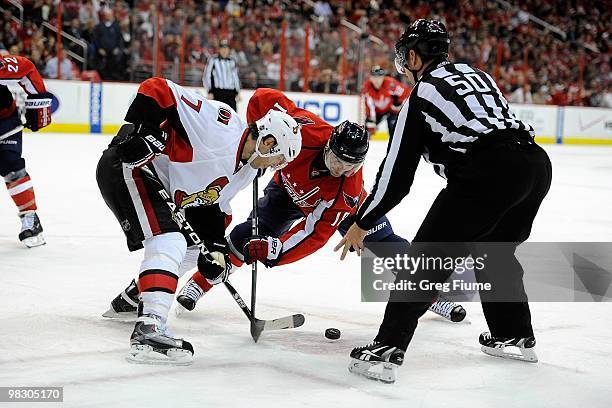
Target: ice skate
498,347
125,305
152,343
376,361
31,230
448,309
188,297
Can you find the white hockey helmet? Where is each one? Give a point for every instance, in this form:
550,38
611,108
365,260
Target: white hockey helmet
285,130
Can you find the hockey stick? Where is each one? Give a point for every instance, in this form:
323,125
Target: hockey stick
11,132
286,322
255,328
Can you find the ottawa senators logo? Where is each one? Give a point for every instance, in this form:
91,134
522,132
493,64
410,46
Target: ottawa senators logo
208,196
224,116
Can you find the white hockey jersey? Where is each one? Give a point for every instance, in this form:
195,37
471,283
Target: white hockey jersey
200,165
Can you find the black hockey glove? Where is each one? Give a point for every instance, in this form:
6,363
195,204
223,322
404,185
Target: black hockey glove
216,265
397,105
139,144
38,111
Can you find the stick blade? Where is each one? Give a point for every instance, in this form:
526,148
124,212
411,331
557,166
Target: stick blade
257,326
287,322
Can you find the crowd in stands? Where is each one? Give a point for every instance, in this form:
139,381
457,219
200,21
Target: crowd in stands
567,65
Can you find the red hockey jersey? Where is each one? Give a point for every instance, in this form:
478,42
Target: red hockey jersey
324,200
380,101
17,70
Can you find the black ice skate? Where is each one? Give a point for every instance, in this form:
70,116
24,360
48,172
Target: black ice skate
152,343
188,297
448,309
498,347
31,230
125,305
376,361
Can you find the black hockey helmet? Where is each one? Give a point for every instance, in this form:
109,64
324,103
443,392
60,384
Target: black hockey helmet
429,38
349,142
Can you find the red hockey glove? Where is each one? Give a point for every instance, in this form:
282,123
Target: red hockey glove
370,127
263,249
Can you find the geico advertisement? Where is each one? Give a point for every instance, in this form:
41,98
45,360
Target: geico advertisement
332,108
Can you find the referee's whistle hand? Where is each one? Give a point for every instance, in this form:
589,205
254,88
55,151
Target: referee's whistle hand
353,239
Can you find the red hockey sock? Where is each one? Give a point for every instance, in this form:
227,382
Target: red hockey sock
201,281
22,193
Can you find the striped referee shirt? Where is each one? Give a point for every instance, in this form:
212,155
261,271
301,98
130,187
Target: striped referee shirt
221,73
453,110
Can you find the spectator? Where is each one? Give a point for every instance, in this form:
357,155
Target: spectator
499,40
542,95
65,66
108,42
250,80
325,83
89,11
522,94
37,60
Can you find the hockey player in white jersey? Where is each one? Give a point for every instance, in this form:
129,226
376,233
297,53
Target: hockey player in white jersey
203,154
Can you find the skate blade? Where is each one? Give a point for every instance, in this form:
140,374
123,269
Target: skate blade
34,241
383,372
527,355
145,354
111,314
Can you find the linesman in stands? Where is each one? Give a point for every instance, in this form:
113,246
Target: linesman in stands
221,77
497,177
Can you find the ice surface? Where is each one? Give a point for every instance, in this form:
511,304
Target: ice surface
51,299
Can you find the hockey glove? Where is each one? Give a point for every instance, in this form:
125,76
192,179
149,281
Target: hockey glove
38,111
216,265
263,249
370,127
397,105
138,144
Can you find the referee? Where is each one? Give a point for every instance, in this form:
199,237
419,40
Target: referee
221,76
497,177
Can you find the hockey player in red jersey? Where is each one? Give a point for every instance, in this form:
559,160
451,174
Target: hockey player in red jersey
203,154
383,99
19,70
319,192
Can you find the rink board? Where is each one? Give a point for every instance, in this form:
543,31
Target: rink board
84,107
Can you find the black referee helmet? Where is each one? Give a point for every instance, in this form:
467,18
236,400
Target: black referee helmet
429,39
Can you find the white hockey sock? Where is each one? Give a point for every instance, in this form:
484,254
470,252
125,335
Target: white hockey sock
157,303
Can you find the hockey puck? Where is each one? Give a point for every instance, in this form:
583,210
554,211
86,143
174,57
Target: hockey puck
332,333
458,314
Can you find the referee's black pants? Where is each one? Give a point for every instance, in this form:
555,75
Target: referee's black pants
227,96
493,198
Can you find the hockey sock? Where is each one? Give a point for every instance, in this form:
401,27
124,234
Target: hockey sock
157,289
202,282
20,188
